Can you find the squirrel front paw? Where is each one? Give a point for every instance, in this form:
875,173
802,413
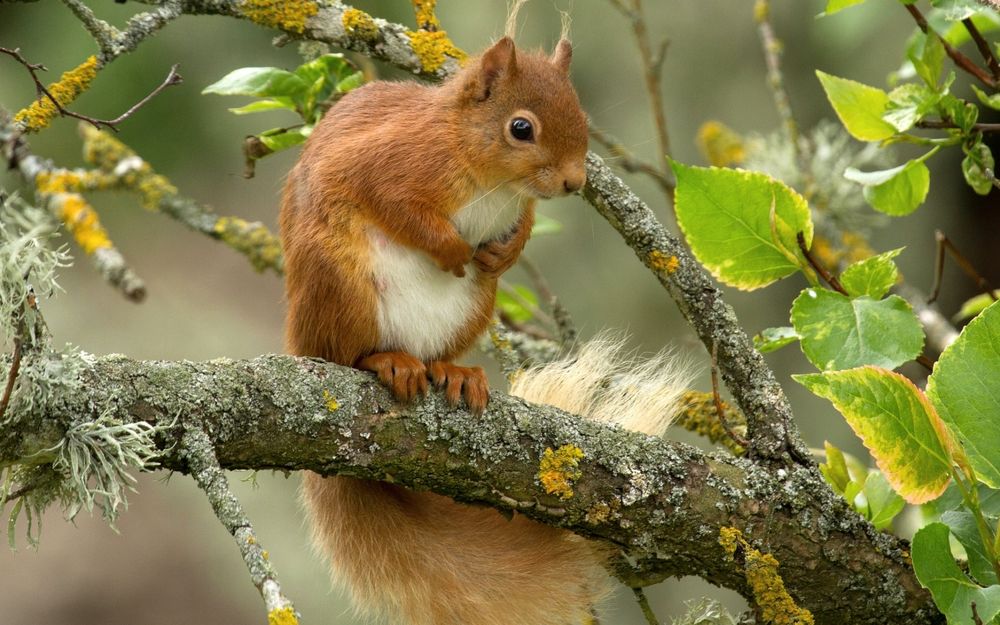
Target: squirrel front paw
496,257
403,373
453,256
459,382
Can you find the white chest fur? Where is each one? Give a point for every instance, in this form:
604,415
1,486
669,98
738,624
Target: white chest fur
421,308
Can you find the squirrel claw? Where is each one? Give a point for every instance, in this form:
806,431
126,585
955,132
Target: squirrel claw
404,374
459,382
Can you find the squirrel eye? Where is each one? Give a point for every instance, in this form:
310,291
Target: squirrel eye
521,129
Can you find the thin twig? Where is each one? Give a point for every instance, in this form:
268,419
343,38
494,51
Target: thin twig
772,48
173,78
629,161
652,65
936,124
717,399
11,377
204,466
828,277
647,611
563,320
984,47
944,244
962,61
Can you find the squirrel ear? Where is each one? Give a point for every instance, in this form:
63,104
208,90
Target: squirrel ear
562,55
499,59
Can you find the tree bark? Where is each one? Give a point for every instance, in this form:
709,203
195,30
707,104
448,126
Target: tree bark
662,503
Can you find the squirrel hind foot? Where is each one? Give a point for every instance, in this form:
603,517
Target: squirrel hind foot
459,382
404,374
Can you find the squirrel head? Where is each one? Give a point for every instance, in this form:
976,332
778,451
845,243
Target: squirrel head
523,119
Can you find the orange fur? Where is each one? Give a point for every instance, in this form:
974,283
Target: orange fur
396,166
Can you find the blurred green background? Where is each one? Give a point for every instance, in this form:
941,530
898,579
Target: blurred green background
171,562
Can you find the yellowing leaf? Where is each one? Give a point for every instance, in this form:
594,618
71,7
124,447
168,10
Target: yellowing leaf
897,424
741,225
858,106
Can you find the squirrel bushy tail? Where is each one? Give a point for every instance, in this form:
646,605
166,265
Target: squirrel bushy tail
421,559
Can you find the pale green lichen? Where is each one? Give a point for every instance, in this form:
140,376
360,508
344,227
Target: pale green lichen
69,86
252,239
120,162
761,571
557,470
290,15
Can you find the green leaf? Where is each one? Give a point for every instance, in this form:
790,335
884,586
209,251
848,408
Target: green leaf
772,339
908,104
858,106
515,307
741,225
990,100
833,6
837,332
977,167
962,524
956,10
963,114
872,276
271,104
351,82
929,60
897,191
834,470
329,67
975,305
283,140
545,225
259,81
895,422
952,590
965,389
883,502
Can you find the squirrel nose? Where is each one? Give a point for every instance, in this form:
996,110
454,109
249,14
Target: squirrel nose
573,182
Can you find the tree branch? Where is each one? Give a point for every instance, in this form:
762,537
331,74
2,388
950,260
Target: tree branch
662,503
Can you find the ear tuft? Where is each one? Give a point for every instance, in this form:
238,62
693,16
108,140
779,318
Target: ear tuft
500,59
563,55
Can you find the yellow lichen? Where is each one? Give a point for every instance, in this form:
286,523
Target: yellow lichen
426,19
82,222
761,571
331,401
108,153
761,10
699,415
433,48
252,239
358,23
720,145
659,261
69,86
288,15
557,470
282,616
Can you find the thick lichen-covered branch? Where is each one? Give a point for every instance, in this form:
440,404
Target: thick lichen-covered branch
662,503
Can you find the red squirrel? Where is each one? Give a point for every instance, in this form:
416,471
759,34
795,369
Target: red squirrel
406,205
